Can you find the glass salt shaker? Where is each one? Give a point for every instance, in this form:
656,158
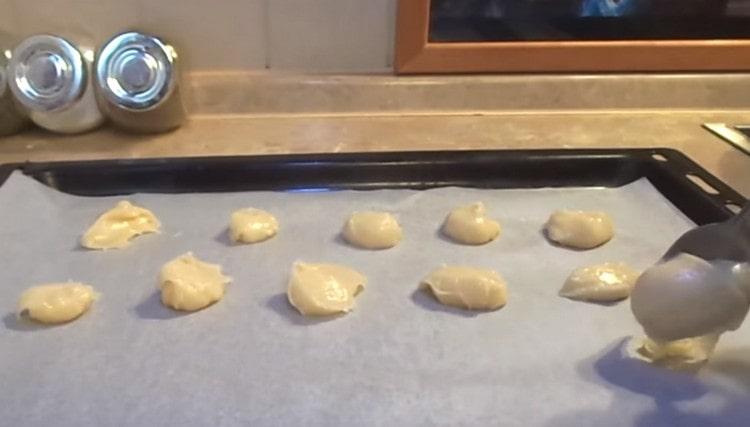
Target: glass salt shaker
138,83
51,78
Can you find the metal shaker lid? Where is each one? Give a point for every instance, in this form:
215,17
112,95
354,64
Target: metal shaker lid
47,73
136,71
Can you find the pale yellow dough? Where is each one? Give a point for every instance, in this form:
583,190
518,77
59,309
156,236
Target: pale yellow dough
324,289
688,354
601,282
372,230
56,302
252,226
579,229
467,287
469,225
117,226
189,284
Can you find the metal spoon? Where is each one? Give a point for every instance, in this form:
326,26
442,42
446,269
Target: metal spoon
728,240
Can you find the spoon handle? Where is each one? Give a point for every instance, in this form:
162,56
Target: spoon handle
741,224
728,240
742,219
745,212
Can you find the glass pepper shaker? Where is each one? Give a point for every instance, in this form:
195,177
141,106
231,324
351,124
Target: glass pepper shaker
138,83
50,77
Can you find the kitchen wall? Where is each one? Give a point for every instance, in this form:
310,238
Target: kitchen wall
299,35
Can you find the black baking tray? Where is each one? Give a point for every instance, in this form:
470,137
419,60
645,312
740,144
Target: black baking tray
667,170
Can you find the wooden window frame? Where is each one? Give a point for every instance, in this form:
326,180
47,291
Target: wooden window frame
415,54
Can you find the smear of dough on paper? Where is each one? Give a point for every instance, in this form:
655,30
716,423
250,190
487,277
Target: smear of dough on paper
467,287
324,289
600,282
56,302
372,230
189,284
116,227
579,229
252,225
469,225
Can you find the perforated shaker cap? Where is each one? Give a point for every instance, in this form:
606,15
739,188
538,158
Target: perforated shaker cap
136,71
47,73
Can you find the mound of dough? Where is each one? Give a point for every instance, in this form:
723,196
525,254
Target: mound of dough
114,228
324,289
189,284
56,302
579,229
602,282
469,225
688,296
251,225
467,287
688,354
372,230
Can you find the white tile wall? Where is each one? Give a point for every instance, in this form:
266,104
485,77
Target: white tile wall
330,35
7,16
300,35
215,34
94,20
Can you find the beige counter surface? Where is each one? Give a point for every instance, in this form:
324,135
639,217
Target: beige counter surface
247,134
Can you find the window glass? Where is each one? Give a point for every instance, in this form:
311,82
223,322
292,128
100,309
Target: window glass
557,20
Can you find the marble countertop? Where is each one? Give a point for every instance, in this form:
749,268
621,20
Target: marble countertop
215,135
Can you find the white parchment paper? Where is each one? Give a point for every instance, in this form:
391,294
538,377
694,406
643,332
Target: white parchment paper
398,359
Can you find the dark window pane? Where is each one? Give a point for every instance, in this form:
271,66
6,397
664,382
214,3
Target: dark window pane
537,20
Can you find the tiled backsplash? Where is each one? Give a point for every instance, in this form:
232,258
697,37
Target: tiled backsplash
299,35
